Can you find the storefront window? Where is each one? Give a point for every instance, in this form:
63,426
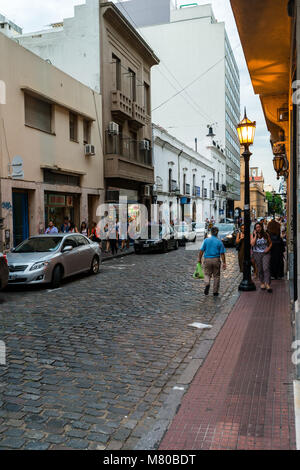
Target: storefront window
59,206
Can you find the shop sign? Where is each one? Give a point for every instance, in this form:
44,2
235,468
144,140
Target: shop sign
56,200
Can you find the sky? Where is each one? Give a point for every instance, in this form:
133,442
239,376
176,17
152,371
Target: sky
33,15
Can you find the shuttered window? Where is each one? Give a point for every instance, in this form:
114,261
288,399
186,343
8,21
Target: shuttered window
38,113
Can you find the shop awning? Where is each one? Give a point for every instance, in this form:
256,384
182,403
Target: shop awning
264,28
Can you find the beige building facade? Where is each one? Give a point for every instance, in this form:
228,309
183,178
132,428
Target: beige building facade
47,119
258,202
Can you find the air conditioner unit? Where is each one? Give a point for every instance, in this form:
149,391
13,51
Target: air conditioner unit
89,150
147,191
113,128
145,145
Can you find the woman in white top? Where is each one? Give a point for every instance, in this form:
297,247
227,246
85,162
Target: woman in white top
84,229
261,245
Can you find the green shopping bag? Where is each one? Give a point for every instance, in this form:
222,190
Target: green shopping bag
198,274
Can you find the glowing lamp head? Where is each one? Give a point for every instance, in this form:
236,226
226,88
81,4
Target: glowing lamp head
246,131
278,163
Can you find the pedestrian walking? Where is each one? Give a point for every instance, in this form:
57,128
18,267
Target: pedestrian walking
122,231
73,228
51,228
240,241
65,227
113,236
212,249
261,246
84,229
94,233
277,251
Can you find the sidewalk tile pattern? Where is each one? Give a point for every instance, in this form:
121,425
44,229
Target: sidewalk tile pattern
241,397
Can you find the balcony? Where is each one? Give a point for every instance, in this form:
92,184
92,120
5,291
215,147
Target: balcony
138,115
125,159
121,105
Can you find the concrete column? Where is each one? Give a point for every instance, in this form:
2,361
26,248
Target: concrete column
84,210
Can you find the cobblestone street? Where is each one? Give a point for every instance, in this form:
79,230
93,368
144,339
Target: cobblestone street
90,366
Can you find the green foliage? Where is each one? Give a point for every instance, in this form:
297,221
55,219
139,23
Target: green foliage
275,203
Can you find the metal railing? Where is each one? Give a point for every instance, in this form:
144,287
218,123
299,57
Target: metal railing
127,147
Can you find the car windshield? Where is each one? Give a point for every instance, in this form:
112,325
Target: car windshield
39,245
225,227
181,228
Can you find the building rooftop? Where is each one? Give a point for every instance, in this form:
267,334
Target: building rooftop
5,20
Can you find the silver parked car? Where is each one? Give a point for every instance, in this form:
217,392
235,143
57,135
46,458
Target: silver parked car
3,271
51,258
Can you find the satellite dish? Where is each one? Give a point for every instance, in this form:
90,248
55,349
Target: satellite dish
17,168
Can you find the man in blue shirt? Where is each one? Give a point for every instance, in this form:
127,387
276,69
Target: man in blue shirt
212,249
51,229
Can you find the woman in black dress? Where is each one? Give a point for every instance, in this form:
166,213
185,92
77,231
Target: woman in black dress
277,251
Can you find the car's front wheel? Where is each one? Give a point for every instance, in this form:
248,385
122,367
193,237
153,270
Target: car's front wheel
95,265
56,277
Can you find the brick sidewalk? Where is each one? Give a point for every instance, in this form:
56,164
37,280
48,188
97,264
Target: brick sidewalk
242,396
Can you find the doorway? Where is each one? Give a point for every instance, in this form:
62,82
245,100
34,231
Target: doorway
20,217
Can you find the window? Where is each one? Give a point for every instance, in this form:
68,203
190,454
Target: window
73,127
86,132
117,72
70,241
51,177
170,180
147,100
38,114
133,145
132,77
81,241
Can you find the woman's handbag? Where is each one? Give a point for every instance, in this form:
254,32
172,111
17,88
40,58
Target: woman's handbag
198,274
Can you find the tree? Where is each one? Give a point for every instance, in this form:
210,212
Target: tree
275,204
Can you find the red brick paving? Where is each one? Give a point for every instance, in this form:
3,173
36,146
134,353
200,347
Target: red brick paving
242,396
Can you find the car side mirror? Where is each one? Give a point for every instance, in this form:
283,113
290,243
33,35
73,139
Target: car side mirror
67,249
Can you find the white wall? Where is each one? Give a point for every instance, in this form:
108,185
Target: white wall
75,48
169,152
188,49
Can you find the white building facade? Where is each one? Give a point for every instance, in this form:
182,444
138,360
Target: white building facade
197,75
72,45
185,181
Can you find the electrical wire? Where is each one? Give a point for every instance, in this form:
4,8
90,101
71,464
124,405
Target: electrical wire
193,103
183,89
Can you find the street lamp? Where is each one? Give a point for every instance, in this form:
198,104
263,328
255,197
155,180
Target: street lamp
246,132
278,163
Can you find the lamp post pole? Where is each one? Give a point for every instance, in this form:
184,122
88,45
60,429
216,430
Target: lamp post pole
247,285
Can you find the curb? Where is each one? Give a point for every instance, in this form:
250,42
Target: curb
120,255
